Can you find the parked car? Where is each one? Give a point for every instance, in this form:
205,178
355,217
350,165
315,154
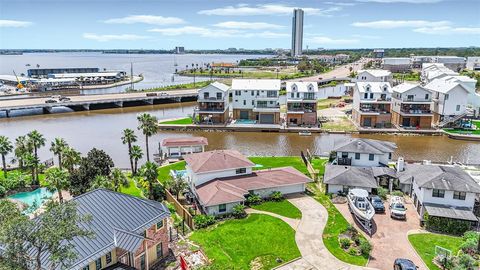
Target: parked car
151,94
56,97
50,101
397,208
404,264
64,99
163,94
377,204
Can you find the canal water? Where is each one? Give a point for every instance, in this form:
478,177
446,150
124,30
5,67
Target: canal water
102,129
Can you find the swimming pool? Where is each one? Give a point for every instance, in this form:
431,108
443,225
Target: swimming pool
33,199
245,121
178,173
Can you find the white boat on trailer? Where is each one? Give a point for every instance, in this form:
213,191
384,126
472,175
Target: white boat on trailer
361,208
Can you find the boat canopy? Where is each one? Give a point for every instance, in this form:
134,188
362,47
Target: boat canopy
358,192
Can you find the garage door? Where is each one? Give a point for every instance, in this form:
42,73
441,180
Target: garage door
243,114
267,118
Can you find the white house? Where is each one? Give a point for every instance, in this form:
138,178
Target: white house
432,71
213,103
373,75
221,179
256,100
473,63
411,106
302,103
372,104
364,153
175,147
444,191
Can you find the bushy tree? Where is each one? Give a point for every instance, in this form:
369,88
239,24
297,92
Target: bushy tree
96,163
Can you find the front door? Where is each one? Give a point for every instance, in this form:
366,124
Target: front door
243,114
367,122
406,122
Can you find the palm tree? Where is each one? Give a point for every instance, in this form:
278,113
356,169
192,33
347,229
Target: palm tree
57,148
22,147
149,171
101,181
118,179
70,158
57,179
5,148
37,140
31,162
128,138
148,125
136,154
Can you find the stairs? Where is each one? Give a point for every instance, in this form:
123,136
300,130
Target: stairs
452,119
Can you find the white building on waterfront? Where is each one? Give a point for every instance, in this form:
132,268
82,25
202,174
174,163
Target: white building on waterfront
297,32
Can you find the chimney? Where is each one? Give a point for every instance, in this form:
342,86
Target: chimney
400,164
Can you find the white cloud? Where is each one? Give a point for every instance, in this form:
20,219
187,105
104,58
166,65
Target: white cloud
105,38
215,33
447,30
147,19
266,9
12,23
248,25
401,1
323,40
342,4
389,24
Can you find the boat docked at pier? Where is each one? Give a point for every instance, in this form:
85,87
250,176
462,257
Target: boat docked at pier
361,208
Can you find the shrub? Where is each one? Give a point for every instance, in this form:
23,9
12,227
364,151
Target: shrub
2,191
203,221
365,246
254,199
352,251
239,211
345,243
170,207
446,225
470,235
397,193
469,246
276,196
382,193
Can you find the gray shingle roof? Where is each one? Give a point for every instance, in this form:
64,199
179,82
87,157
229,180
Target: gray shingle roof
439,177
368,146
350,176
438,210
113,214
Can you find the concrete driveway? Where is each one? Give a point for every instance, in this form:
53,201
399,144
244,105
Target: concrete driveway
389,239
309,239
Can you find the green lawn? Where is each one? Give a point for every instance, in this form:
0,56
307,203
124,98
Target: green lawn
275,162
257,240
248,74
328,102
132,189
411,76
424,244
182,121
282,208
461,131
164,171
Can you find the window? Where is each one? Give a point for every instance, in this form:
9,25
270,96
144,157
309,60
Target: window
219,95
389,155
244,102
344,154
222,208
206,95
159,224
371,156
458,195
258,92
446,96
159,250
292,95
410,97
98,264
438,193
108,258
371,95
253,103
86,268
458,108
142,262
241,170
238,93
426,96
365,95
357,156
271,93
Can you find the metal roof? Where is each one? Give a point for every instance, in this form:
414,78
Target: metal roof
438,210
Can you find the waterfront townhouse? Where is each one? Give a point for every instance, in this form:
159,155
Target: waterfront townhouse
256,101
129,232
449,101
373,75
432,71
213,104
411,106
363,153
441,191
372,104
302,103
221,179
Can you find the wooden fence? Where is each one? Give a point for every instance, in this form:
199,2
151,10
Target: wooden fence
311,170
181,211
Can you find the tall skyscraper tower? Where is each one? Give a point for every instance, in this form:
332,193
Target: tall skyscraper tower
297,32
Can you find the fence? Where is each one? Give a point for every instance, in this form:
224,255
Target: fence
181,211
311,170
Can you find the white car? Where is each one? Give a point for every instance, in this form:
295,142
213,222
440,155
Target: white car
397,208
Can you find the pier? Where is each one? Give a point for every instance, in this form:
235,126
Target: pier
93,102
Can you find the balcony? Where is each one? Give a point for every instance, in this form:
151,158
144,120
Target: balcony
266,108
415,111
210,109
373,111
344,161
210,99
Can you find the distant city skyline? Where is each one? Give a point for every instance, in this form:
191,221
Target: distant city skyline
126,24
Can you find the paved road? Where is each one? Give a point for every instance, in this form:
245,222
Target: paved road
309,239
87,98
339,72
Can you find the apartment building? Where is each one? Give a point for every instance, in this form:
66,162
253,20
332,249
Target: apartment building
396,64
256,101
411,106
213,104
373,75
301,103
372,104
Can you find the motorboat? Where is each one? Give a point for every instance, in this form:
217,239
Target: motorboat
304,133
361,207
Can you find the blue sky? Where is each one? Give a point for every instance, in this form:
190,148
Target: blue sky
215,24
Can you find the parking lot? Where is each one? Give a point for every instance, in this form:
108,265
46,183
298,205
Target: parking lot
389,239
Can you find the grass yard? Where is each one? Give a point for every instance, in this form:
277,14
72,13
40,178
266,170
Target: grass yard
254,242
411,76
275,162
164,171
329,102
182,121
339,124
282,208
461,131
424,244
132,189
